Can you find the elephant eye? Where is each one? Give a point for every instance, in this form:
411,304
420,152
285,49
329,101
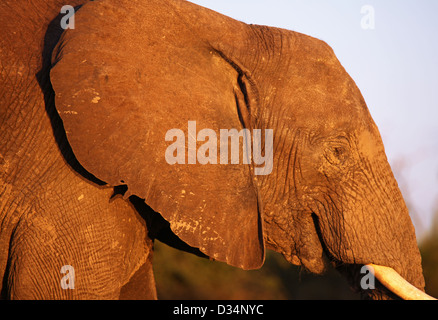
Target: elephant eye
338,151
336,154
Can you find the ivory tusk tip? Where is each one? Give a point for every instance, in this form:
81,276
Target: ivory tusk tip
392,280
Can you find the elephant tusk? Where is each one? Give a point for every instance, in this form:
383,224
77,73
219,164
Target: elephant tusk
392,280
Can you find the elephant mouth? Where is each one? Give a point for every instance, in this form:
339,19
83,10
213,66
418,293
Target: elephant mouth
390,284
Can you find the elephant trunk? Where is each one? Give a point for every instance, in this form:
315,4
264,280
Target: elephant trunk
375,228
397,284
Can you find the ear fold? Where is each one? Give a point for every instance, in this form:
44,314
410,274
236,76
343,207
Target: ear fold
129,76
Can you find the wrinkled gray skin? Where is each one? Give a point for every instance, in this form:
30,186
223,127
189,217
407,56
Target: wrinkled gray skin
129,72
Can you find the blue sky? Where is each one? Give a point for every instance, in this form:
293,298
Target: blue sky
395,65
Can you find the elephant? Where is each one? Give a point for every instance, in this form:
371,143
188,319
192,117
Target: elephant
115,133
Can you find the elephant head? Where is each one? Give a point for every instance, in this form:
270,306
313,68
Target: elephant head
131,72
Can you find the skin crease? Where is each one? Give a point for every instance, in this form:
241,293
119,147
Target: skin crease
331,196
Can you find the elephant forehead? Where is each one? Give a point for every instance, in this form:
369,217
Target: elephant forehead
315,108
316,91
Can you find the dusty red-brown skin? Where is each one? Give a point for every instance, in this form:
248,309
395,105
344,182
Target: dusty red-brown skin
131,71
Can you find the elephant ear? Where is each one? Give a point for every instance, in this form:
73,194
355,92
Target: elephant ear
127,76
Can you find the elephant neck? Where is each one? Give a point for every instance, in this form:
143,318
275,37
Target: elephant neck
25,23
29,32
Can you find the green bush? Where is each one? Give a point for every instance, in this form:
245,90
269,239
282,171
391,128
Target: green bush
183,276
180,275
